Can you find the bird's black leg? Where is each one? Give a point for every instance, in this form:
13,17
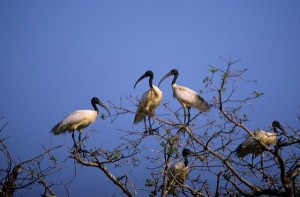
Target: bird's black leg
146,129
189,115
79,137
152,130
150,125
79,141
184,111
73,137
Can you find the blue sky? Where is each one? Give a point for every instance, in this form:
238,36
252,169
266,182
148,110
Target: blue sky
57,55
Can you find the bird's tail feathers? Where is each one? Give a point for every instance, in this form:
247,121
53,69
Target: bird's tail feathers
138,118
240,151
55,130
202,105
141,113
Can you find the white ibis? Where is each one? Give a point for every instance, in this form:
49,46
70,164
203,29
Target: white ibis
252,146
150,99
178,173
187,98
78,120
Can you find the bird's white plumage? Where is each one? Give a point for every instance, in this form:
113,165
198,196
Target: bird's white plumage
79,120
149,102
176,177
151,99
186,97
268,138
76,120
180,171
252,146
189,98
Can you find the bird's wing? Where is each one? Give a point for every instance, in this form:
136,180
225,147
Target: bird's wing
75,117
184,94
267,138
190,98
252,146
71,121
157,97
143,107
249,146
148,103
179,172
249,143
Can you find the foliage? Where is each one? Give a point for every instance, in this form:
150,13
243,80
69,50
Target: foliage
16,175
214,169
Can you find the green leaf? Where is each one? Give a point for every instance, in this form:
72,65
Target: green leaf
213,70
102,116
53,158
149,183
222,89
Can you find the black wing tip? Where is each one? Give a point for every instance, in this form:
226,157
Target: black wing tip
54,130
239,151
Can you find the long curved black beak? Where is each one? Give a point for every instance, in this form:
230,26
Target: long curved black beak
148,73
102,105
141,78
166,76
282,129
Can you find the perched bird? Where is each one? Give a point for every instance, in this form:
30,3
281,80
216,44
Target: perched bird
150,99
252,146
187,98
178,173
78,120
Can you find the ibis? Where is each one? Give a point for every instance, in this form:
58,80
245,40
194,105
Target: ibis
187,98
149,101
178,173
79,120
252,145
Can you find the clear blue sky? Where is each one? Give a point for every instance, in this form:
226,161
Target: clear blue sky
57,55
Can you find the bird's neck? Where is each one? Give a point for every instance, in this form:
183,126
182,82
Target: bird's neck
95,107
186,162
174,87
174,79
275,130
151,81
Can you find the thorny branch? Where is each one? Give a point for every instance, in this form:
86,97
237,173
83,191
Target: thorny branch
91,159
214,145
213,137
26,173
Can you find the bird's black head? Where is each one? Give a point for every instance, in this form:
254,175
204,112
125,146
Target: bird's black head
95,101
276,124
172,72
186,152
148,73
